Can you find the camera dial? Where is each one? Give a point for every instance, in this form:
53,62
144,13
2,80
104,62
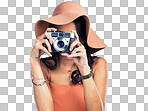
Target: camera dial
61,34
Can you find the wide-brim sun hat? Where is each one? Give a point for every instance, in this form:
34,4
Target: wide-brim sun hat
65,13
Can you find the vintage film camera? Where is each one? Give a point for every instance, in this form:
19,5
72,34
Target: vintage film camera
61,41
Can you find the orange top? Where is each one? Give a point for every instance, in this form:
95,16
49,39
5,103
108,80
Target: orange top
68,97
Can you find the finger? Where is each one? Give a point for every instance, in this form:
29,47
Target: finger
73,44
49,37
51,29
48,29
41,41
47,44
77,37
45,50
77,50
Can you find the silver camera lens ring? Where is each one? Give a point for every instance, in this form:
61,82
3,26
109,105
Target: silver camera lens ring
58,48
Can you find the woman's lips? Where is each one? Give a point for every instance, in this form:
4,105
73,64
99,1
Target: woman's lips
64,53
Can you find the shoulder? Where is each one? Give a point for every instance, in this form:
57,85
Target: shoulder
100,72
99,62
99,59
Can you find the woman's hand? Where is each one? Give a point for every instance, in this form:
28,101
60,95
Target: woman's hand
78,54
38,48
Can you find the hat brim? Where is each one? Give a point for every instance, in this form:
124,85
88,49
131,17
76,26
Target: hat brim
61,19
93,40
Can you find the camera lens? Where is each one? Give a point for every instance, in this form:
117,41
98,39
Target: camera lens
60,44
61,34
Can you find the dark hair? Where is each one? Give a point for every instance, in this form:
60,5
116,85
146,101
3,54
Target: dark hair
81,30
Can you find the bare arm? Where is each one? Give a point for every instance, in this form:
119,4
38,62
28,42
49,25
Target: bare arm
94,89
42,94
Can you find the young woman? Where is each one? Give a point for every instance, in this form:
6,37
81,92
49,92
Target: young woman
54,82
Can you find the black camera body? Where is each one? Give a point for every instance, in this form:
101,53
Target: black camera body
61,41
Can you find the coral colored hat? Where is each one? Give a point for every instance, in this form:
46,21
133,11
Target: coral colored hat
65,13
